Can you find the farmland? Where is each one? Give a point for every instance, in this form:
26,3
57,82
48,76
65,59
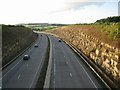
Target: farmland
41,26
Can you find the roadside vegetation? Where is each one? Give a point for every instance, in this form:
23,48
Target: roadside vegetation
105,33
14,40
113,19
108,33
99,41
111,25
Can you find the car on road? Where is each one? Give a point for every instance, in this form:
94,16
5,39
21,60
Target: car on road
26,57
40,35
59,40
36,45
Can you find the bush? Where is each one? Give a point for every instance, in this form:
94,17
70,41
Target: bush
115,33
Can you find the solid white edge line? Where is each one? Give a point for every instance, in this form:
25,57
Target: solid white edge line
19,54
54,68
84,70
11,69
96,74
85,62
35,73
48,74
91,68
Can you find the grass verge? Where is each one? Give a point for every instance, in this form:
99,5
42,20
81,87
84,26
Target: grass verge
41,79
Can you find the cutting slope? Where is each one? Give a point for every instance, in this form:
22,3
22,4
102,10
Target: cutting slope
15,40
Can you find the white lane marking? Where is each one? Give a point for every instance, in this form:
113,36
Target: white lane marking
66,59
82,68
70,75
54,70
85,72
97,74
11,69
36,72
19,76
54,60
54,81
27,65
66,62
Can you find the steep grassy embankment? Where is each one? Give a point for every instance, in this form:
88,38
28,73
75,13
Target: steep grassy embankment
100,42
14,40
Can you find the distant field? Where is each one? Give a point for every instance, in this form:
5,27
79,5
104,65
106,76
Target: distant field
41,26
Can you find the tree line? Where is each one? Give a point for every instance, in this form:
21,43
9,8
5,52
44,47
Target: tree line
109,19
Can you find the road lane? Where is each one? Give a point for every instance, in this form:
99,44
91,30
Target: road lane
24,74
68,70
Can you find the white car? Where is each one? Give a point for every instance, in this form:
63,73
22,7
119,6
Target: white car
36,45
59,40
26,57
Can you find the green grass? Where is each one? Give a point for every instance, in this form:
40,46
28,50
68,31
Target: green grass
112,29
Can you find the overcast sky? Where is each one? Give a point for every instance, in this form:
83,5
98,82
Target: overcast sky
56,11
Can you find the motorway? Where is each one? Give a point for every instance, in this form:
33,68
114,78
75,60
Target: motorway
24,74
68,70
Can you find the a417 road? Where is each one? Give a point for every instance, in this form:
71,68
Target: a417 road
67,69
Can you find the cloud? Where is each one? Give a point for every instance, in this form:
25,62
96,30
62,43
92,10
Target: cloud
18,11
79,5
119,8
76,6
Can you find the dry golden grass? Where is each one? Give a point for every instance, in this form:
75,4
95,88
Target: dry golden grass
95,31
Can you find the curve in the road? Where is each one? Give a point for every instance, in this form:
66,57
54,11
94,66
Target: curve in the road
24,74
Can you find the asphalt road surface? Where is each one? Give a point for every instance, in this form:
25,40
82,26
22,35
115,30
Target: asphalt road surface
68,70
24,74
